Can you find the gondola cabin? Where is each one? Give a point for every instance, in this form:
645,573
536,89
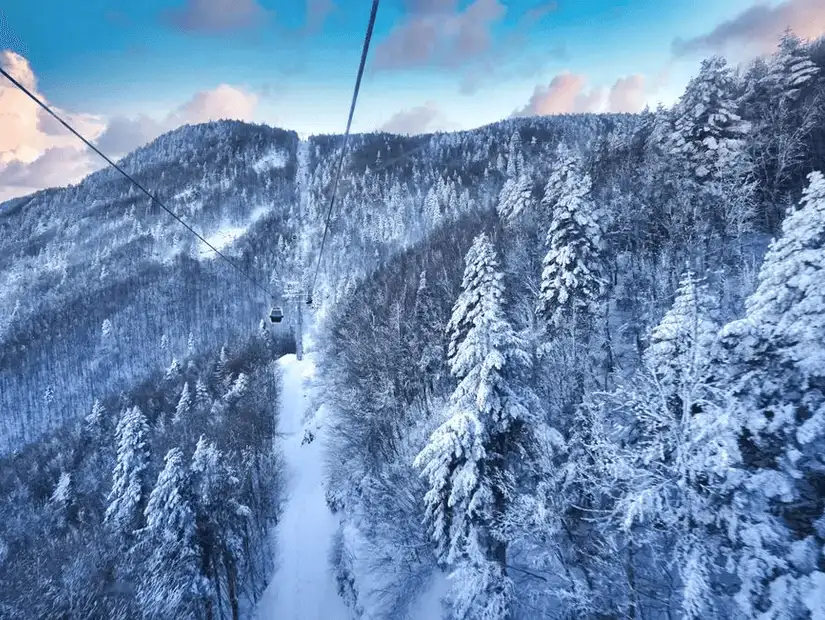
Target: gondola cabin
276,315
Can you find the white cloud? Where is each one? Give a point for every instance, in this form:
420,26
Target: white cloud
37,152
223,102
417,120
627,94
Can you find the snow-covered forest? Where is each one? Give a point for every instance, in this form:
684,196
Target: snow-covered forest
569,366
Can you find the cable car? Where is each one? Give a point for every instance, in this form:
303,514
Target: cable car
276,315
309,299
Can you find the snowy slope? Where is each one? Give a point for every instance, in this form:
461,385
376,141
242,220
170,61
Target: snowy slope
302,587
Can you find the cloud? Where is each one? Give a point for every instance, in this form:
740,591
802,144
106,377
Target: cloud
565,94
627,94
216,16
223,102
123,135
437,32
56,166
36,151
536,13
568,93
758,28
32,144
317,12
420,119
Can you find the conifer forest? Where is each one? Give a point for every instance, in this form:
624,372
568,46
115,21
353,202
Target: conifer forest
567,367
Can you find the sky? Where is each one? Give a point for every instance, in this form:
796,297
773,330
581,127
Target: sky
123,72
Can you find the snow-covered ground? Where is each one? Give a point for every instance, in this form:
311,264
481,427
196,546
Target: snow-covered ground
303,587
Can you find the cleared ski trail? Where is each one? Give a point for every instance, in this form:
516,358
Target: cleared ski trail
302,587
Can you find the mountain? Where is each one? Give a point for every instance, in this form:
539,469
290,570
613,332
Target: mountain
572,363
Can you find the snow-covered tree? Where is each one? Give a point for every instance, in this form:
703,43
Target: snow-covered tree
221,519
665,450
681,345
184,406
174,371
172,585
707,128
571,279
515,196
775,364
790,71
129,477
94,419
202,398
467,459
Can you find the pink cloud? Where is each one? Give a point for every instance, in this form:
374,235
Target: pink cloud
437,32
759,28
223,102
627,94
569,93
565,94
37,152
216,16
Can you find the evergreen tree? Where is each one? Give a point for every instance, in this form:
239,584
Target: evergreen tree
774,363
94,420
681,344
790,71
184,406
128,480
467,460
707,129
221,519
172,585
571,279
202,398
515,196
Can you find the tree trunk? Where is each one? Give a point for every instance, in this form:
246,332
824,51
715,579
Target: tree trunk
231,583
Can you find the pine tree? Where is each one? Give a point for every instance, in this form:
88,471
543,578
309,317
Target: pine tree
707,128
466,460
790,71
94,420
775,366
222,521
222,372
681,345
202,398
172,585
571,279
666,450
515,196
174,371
128,480
184,406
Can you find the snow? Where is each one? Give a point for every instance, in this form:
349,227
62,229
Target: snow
227,235
303,587
221,239
276,158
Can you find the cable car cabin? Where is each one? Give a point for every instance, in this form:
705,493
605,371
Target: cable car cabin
276,315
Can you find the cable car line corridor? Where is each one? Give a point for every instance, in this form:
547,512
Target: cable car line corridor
302,586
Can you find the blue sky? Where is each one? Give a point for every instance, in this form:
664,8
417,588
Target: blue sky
435,64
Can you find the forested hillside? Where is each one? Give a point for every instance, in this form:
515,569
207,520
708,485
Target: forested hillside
594,395
575,363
